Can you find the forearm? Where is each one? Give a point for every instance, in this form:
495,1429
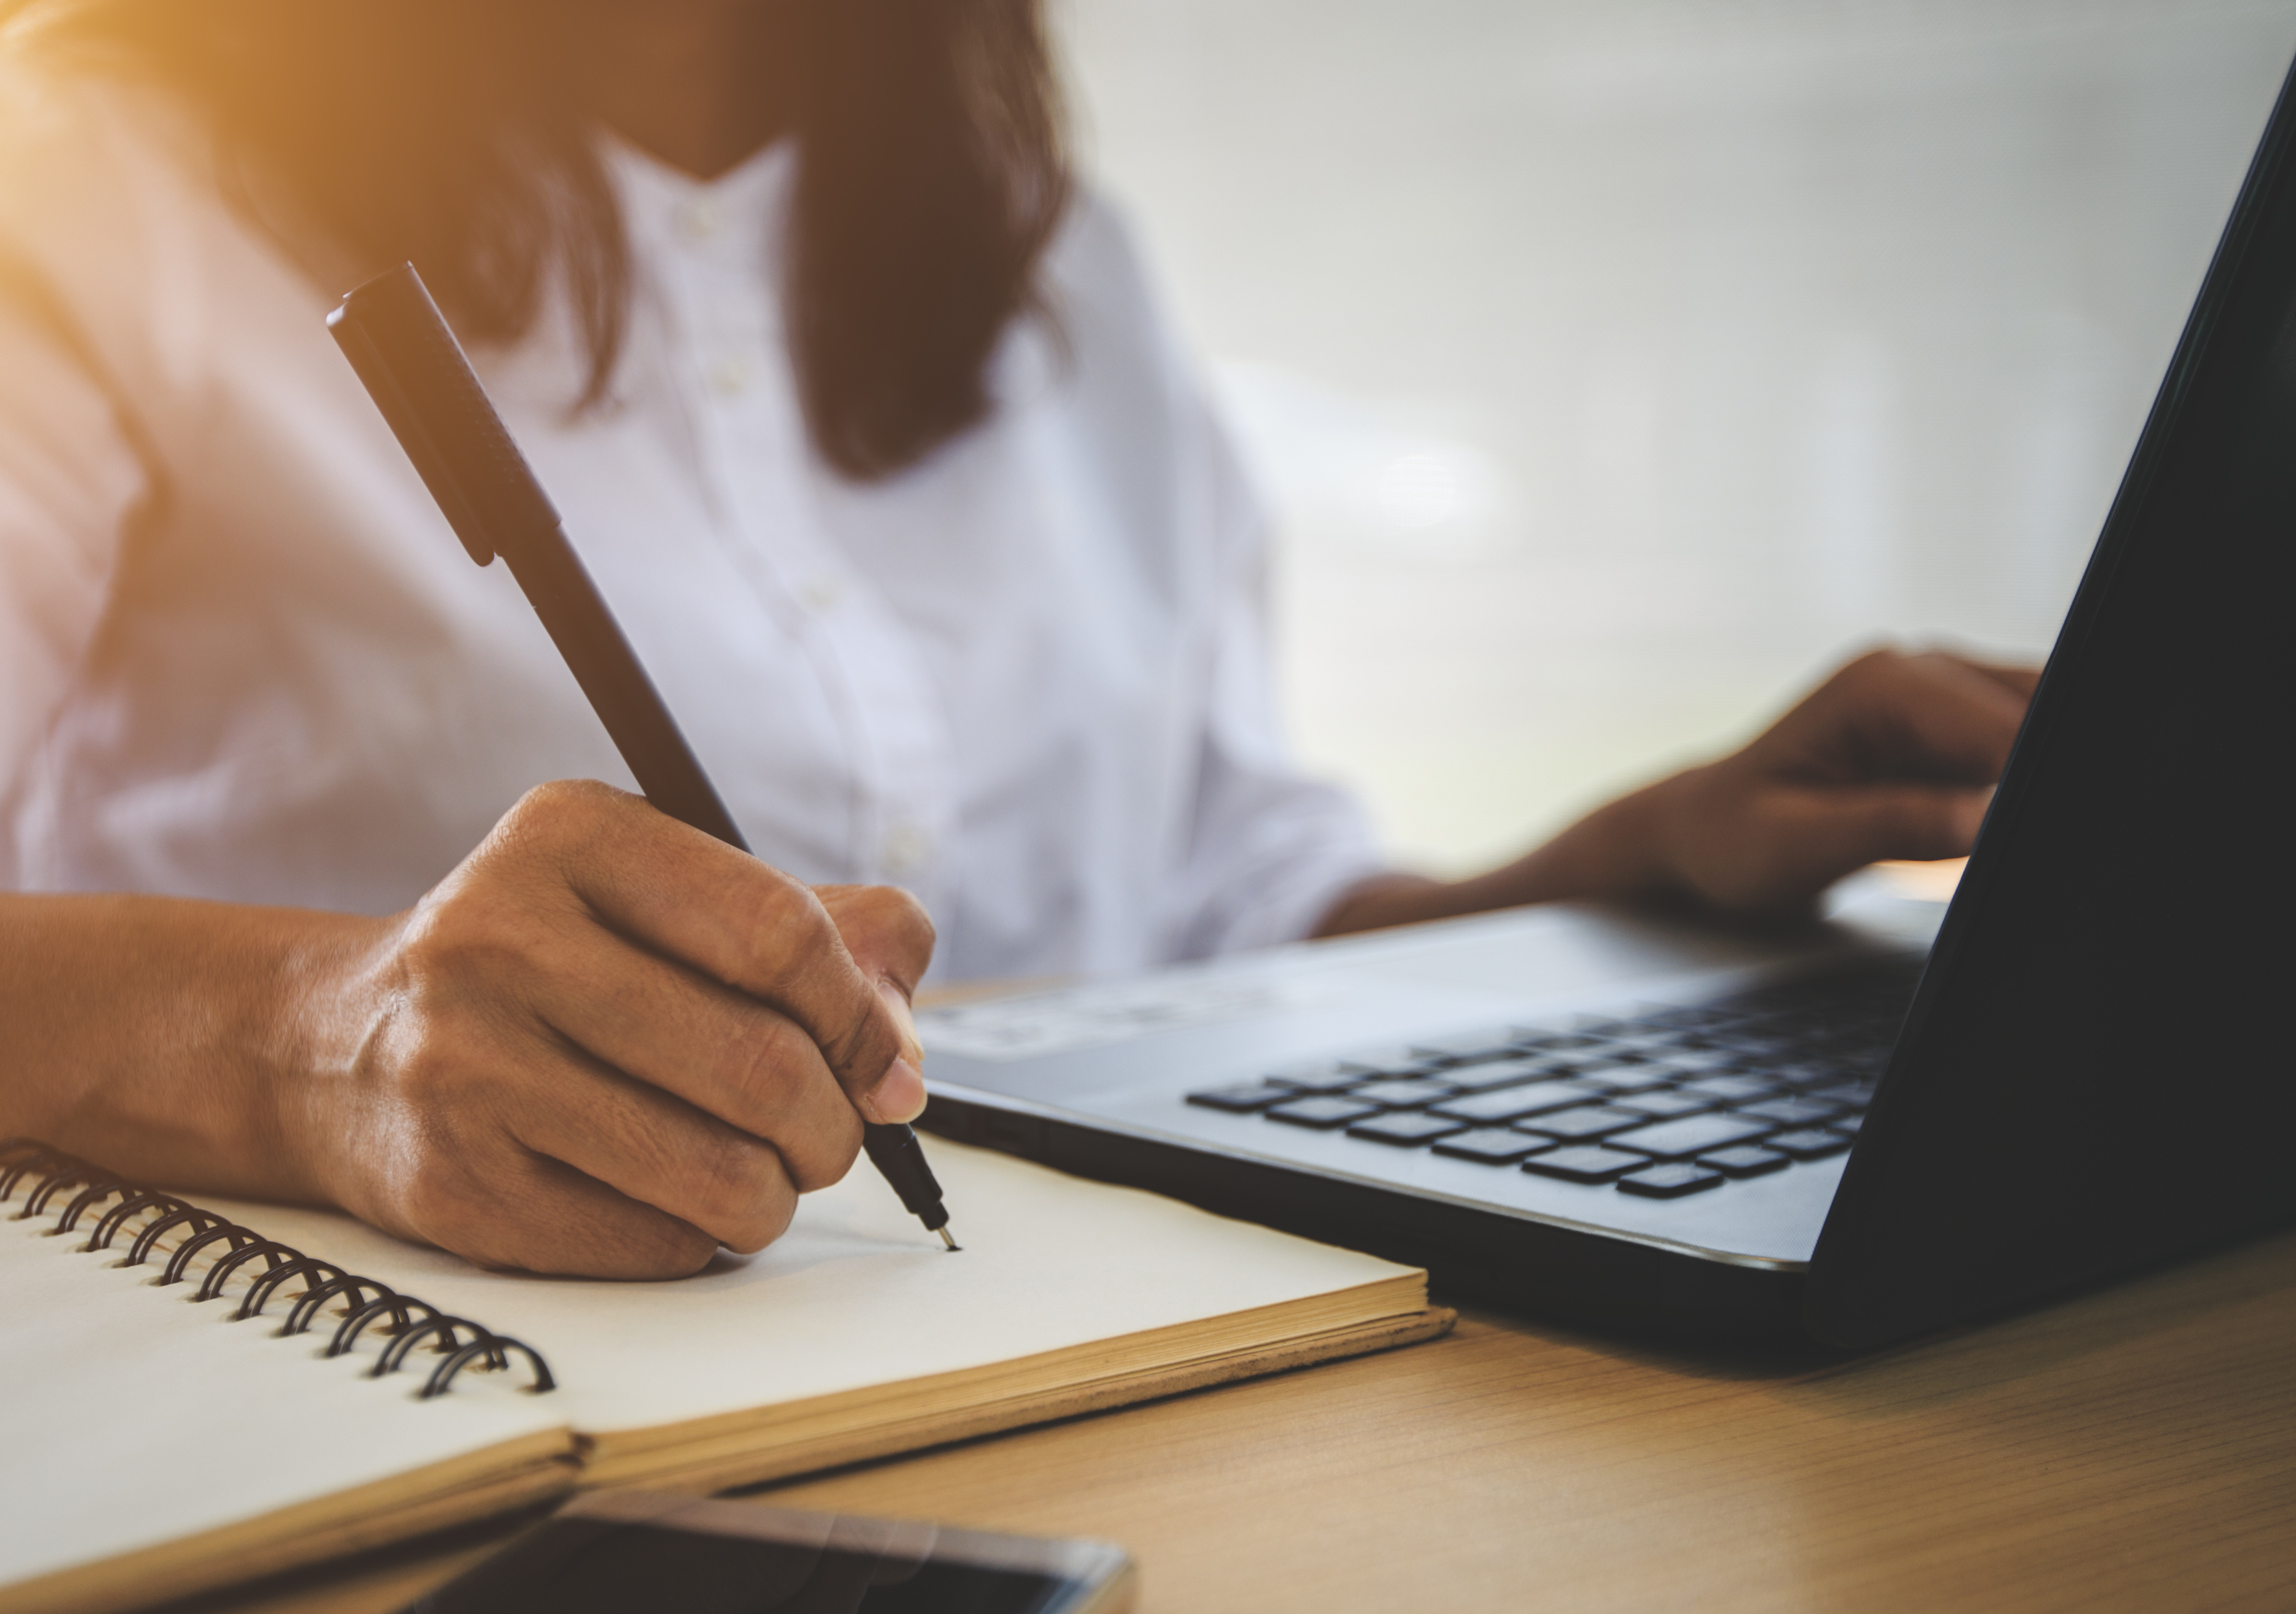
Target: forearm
1613,853
168,1039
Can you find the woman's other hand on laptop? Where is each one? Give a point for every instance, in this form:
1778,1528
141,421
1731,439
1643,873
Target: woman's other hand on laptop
1894,756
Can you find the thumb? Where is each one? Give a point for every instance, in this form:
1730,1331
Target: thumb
900,1094
890,940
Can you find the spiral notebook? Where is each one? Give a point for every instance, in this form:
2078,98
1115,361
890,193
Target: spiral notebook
199,1391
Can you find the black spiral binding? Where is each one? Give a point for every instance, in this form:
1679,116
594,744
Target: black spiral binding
458,1340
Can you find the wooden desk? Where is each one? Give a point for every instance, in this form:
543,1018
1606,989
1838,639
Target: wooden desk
2134,1449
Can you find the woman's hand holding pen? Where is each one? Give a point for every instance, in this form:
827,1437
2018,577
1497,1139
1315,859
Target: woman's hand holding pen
607,1044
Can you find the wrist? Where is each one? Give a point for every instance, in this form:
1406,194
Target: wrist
160,1037
318,1005
1622,851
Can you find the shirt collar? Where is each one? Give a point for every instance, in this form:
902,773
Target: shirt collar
740,206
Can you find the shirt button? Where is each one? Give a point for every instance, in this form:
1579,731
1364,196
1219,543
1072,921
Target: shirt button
729,377
699,219
906,848
821,594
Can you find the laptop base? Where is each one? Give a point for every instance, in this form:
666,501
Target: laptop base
1514,1265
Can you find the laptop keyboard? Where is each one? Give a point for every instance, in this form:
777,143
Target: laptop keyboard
1674,1101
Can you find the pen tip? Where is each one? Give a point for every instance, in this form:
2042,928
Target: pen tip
945,1238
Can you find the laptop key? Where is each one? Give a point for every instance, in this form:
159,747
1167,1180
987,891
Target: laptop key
1399,1094
1324,1113
1745,1160
1849,1125
1806,1075
1491,1146
1406,1129
1850,1095
1471,1047
1584,1162
1502,1073
1686,1063
1813,1144
1623,1078
1689,1018
1671,1180
1756,1046
1243,1097
1609,1054
1732,1087
1790,1111
1386,1059
1665,1104
1550,1041
1317,1076
1514,1103
1692,1135
1585,1123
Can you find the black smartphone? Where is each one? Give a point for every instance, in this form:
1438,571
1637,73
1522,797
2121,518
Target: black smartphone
622,1551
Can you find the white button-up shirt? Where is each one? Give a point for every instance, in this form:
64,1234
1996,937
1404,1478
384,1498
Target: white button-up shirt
243,656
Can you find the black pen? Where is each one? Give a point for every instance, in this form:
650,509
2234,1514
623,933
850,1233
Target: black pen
420,378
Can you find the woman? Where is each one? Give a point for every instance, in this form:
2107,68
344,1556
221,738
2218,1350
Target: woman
870,433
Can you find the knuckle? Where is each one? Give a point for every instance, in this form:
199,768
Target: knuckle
886,926
904,916
737,1187
473,925
823,1157
535,818
863,1047
1875,664
629,1242
778,1087
764,1070
809,930
758,1208
552,820
560,799
792,936
668,1247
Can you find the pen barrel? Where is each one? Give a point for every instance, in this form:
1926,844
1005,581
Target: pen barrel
422,381
581,625
897,1156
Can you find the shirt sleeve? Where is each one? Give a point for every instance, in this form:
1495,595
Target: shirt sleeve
1270,849
71,479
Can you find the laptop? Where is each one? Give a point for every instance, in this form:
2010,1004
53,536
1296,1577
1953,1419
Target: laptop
1902,1119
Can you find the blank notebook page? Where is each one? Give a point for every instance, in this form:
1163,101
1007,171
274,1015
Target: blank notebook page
857,1294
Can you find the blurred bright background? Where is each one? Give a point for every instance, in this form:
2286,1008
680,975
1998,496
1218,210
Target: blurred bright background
1614,366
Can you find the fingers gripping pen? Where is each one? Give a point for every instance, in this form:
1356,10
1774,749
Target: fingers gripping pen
418,376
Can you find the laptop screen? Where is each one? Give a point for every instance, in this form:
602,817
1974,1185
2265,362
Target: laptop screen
2095,1074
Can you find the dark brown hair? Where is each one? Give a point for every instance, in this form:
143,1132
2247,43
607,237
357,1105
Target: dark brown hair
931,172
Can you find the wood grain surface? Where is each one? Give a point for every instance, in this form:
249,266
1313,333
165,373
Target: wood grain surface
2131,1449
